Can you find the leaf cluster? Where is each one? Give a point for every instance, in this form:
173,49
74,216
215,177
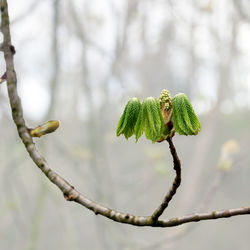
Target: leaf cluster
138,118
148,117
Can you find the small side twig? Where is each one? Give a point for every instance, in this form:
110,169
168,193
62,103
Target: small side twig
13,51
177,181
3,78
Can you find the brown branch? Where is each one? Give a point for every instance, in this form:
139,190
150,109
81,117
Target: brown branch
177,181
70,193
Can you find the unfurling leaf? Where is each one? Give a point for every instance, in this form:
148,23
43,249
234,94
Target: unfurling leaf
185,120
140,124
154,123
46,128
129,118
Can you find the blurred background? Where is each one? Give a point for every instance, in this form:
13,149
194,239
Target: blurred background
79,62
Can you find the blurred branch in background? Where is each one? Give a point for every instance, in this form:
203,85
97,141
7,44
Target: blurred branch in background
93,137
242,7
206,139
37,219
55,60
32,7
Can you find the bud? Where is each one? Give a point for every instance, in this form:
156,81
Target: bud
46,128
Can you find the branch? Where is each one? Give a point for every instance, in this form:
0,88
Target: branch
241,10
177,181
70,193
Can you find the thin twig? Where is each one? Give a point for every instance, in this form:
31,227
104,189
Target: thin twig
70,193
3,78
177,181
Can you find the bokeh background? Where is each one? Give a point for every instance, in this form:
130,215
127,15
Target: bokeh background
79,62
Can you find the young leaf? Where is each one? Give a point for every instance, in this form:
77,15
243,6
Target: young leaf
140,124
154,124
127,122
185,120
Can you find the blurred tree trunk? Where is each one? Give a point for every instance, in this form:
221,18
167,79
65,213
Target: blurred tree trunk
209,131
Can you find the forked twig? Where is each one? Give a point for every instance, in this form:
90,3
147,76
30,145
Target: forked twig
70,193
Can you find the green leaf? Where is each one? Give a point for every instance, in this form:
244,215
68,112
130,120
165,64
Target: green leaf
122,122
140,124
181,116
137,118
185,120
127,122
154,124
